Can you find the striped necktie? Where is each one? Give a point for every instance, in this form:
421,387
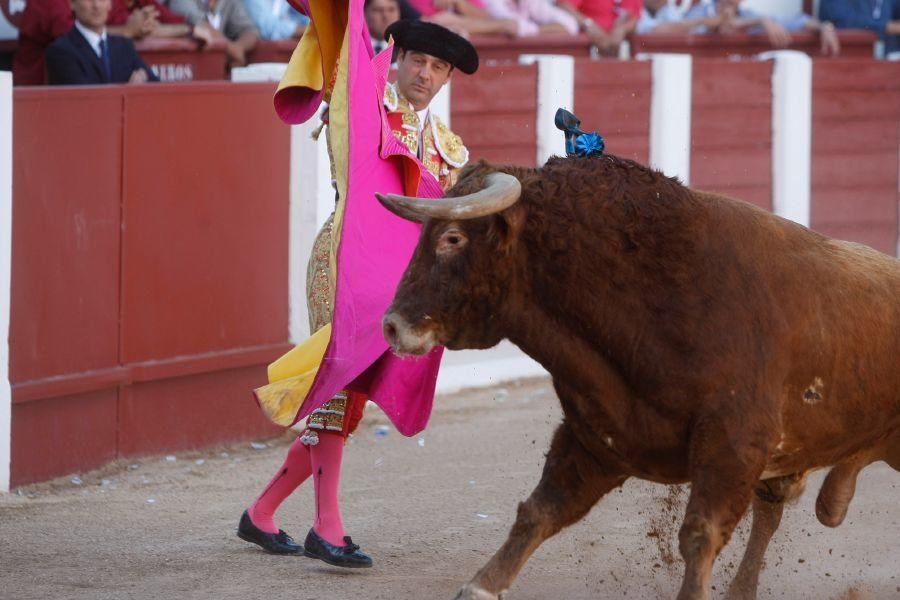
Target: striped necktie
104,57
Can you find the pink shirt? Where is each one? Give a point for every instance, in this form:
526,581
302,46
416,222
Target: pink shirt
531,14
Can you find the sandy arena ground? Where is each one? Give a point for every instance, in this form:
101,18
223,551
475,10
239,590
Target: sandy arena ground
430,510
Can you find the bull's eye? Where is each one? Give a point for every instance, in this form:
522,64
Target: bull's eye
451,241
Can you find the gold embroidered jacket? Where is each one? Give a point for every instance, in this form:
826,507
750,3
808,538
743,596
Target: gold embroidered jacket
440,150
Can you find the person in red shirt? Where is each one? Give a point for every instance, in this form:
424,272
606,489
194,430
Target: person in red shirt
606,22
121,9
43,22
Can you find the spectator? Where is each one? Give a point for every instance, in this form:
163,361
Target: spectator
379,14
153,11
227,17
155,20
466,16
880,16
44,21
778,30
659,16
88,55
532,17
606,22
276,19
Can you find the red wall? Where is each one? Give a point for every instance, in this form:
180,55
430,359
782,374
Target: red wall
495,113
855,142
148,277
613,98
731,129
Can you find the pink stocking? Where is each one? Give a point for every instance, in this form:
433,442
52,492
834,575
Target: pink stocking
293,472
326,459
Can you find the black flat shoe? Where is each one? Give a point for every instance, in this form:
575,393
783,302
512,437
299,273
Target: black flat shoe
349,555
276,543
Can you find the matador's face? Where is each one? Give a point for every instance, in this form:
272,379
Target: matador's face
421,76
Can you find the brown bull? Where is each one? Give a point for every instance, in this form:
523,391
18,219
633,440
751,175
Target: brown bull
691,338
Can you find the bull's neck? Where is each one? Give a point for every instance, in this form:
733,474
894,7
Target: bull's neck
570,343
566,354
597,303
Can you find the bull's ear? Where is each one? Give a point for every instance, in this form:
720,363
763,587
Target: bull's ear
507,226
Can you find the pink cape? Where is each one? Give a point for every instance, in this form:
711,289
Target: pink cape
375,246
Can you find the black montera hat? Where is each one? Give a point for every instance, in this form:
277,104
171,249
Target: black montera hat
435,40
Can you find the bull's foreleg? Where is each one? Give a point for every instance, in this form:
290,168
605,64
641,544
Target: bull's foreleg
768,507
892,456
571,484
725,468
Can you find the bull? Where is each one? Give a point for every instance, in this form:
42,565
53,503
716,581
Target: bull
690,338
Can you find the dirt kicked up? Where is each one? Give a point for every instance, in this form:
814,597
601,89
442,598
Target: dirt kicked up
430,510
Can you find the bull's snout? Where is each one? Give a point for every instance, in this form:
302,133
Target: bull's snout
403,338
389,329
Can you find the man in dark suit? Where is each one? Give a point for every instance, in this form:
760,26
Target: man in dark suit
88,55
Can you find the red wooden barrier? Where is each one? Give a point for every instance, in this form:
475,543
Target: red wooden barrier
855,141
613,97
149,287
731,129
495,112
64,312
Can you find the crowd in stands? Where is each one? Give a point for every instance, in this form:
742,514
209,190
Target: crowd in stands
77,41
725,16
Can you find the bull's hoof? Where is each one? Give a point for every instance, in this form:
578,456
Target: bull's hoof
470,591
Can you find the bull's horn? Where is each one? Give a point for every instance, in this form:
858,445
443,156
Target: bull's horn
502,191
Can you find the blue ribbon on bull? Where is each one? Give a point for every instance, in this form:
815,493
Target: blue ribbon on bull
578,142
589,144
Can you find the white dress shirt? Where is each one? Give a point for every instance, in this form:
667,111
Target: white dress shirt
377,43
93,38
422,115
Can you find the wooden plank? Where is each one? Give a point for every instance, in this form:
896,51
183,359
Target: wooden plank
205,221
725,127
728,167
851,103
849,171
186,413
63,435
66,229
720,83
